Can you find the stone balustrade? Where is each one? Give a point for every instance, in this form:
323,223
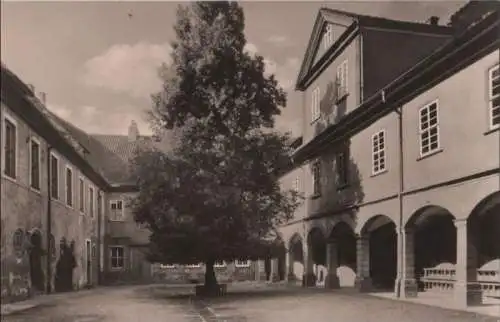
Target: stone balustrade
489,278
441,278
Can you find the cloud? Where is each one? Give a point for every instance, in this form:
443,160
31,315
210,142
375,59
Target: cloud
96,120
131,69
284,72
279,40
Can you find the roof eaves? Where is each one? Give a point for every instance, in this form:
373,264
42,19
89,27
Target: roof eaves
37,119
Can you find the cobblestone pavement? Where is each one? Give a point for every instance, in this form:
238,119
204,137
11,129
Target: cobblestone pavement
313,305
127,304
255,303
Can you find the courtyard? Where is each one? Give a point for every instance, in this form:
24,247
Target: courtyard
244,302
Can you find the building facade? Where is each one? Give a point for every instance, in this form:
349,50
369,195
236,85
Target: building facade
65,216
49,207
400,156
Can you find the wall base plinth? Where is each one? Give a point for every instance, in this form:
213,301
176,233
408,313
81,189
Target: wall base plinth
308,280
467,294
363,284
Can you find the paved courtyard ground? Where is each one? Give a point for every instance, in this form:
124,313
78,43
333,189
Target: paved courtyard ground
256,303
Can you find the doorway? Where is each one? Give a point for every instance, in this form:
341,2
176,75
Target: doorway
88,261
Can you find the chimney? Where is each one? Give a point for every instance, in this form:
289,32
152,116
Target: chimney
43,97
133,131
31,87
433,20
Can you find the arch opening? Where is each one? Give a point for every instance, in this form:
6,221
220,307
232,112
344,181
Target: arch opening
483,228
345,239
317,245
281,260
35,260
296,258
435,242
382,246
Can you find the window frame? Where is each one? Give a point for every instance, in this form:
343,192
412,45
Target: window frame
91,201
193,265
167,266
377,151
116,268
296,183
491,97
58,159
8,118
430,127
221,265
35,140
342,79
327,36
66,168
122,216
81,194
315,104
239,265
316,181
343,155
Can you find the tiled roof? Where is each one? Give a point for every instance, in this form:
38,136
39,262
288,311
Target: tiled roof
111,166
122,150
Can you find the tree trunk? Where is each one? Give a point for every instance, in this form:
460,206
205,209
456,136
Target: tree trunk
210,279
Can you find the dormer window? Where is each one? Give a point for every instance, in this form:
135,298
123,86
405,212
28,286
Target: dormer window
327,36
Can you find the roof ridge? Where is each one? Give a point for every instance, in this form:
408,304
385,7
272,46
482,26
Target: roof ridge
362,15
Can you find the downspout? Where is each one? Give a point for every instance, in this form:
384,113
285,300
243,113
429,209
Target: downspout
399,111
99,241
1,158
49,225
361,80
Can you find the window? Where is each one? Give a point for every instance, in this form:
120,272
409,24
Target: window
99,204
220,264
296,184
378,152
167,266
91,202
494,91
10,148
69,187
328,36
316,172
194,265
429,129
34,164
54,176
342,168
242,263
81,194
342,80
116,213
315,101
117,257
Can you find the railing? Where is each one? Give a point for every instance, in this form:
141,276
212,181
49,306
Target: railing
442,278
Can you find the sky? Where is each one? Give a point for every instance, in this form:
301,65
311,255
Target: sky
99,66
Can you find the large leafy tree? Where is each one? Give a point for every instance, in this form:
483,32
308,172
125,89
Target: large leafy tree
216,196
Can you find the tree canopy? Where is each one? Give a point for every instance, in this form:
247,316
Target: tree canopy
217,195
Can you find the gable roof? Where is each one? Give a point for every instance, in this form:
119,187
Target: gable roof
104,159
111,166
19,98
352,22
467,47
